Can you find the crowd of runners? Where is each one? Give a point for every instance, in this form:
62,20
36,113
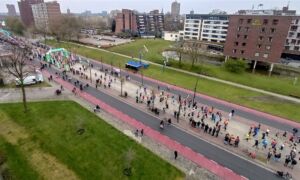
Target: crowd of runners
279,147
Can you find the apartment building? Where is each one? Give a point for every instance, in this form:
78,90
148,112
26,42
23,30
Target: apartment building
45,13
264,35
26,11
206,27
150,23
11,10
143,24
126,21
292,43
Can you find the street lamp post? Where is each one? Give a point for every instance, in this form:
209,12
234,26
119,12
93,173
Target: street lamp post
142,75
101,64
195,89
90,64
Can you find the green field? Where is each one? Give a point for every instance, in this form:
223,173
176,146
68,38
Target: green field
157,46
229,93
96,154
16,164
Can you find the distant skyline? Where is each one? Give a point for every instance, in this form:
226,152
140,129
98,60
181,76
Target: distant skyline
199,6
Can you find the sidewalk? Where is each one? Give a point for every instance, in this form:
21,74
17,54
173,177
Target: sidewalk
203,76
237,126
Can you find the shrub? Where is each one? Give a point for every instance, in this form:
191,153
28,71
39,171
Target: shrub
236,66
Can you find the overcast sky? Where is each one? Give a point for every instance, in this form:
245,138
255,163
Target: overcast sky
199,6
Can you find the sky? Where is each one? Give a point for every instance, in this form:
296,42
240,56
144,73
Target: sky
199,6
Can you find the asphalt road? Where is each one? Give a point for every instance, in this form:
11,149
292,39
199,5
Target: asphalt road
251,116
222,157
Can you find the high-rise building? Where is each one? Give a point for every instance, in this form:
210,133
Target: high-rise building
26,11
46,14
175,9
206,27
68,11
11,10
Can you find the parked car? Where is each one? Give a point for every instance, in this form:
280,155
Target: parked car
29,80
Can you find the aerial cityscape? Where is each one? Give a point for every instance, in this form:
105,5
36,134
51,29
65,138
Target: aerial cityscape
128,89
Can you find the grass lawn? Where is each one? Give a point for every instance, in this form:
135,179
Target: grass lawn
96,154
229,93
273,84
155,48
16,162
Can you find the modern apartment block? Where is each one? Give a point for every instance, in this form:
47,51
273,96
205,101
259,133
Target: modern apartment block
11,10
292,43
206,27
46,13
141,23
150,23
265,35
26,11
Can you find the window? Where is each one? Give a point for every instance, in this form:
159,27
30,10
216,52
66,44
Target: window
256,54
275,21
239,28
242,51
266,55
261,38
263,30
237,36
247,29
234,51
268,47
249,21
243,44
241,21
273,30
236,43
258,46
245,36
265,22
270,39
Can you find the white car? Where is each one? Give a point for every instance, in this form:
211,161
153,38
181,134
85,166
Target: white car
29,80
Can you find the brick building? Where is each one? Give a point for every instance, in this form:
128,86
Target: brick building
259,38
126,21
263,35
26,11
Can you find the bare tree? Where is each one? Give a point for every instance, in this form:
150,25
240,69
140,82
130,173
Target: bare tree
193,52
179,49
16,66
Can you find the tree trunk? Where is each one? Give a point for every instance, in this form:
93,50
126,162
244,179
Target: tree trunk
180,54
24,98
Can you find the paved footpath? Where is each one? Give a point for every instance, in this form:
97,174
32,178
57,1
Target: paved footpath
203,76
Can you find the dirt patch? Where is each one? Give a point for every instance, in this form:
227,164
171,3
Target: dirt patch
45,164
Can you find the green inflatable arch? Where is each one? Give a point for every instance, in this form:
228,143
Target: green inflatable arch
63,63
